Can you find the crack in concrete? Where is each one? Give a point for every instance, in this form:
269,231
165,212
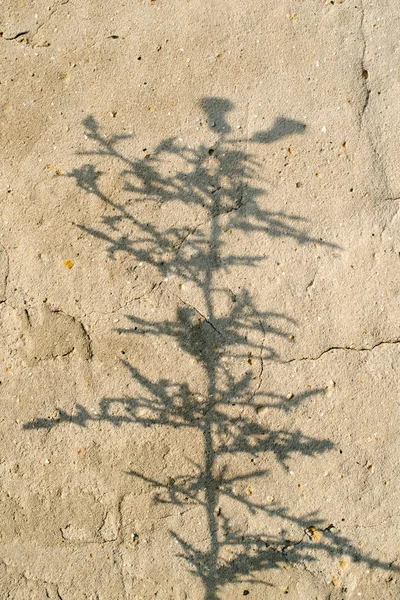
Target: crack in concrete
308,532
182,242
13,37
377,158
88,339
213,216
3,298
364,70
122,307
40,25
311,283
396,199
199,313
344,348
260,376
23,575
155,287
81,340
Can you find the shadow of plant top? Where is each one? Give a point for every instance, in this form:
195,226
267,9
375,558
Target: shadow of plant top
211,182
210,191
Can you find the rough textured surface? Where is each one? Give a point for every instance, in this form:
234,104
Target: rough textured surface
199,289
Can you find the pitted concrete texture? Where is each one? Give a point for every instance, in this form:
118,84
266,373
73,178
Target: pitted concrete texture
199,300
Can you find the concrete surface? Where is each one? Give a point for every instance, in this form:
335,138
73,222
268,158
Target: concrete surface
199,297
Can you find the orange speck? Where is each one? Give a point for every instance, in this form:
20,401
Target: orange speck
314,533
68,263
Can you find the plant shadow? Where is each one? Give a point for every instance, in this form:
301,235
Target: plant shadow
216,186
